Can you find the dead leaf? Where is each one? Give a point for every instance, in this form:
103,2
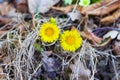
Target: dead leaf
116,47
4,21
5,8
21,1
94,6
83,72
104,43
111,18
74,15
112,34
102,8
22,7
50,64
43,5
90,36
64,9
67,9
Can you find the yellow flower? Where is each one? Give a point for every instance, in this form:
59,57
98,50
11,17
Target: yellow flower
49,32
70,40
84,3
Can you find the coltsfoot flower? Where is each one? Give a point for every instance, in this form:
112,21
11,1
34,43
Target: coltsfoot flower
49,32
84,3
70,40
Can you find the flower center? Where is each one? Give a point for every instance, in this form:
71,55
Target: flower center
70,40
49,31
85,2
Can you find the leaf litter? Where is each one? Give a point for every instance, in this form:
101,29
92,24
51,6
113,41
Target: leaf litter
23,56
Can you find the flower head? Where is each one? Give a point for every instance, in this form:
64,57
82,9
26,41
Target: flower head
49,32
70,40
84,3
53,20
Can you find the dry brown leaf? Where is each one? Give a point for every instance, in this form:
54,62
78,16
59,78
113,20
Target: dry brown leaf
67,8
64,9
4,20
83,72
111,18
103,44
116,47
102,8
22,7
92,7
90,36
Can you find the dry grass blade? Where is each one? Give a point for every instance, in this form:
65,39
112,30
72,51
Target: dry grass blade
2,32
20,51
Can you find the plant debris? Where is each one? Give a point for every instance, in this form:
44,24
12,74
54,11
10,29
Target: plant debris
60,40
